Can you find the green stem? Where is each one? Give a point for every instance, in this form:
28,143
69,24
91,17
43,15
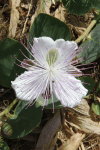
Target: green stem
7,110
93,22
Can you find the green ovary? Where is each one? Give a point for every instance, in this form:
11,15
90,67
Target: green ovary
52,56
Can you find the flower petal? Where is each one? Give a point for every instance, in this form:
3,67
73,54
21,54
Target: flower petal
66,51
65,46
30,84
42,45
69,91
40,49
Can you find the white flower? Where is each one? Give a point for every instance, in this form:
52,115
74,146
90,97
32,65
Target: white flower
52,72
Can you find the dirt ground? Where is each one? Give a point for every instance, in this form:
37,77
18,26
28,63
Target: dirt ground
80,129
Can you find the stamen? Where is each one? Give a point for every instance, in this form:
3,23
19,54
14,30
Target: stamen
85,64
29,103
23,54
87,68
29,44
44,103
27,48
51,91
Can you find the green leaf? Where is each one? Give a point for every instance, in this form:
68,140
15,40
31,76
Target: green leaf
96,4
3,145
46,25
25,120
8,70
57,103
96,108
97,90
81,7
91,48
77,7
89,83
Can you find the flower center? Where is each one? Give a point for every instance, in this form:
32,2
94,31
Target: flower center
52,56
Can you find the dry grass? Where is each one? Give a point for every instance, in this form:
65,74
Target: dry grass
77,128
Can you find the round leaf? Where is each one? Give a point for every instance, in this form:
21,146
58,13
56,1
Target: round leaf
96,4
91,48
25,120
77,7
96,108
8,70
3,145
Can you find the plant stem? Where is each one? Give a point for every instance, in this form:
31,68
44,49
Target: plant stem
7,110
93,22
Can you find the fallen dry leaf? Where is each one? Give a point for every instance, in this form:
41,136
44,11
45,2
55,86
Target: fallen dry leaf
82,119
72,143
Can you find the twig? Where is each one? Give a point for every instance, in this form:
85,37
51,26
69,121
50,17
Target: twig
30,7
5,9
88,28
92,145
5,92
82,146
14,17
7,110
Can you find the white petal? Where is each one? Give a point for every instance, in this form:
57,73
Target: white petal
30,85
69,91
59,42
42,45
66,51
65,46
